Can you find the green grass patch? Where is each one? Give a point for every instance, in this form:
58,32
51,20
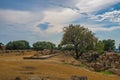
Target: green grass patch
82,65
66,63
106,72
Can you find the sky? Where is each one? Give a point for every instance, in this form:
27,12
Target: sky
43,20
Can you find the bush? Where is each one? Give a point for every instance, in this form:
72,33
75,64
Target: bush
18,45
43,45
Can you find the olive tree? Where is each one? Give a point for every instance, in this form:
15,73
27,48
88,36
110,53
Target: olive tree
80,37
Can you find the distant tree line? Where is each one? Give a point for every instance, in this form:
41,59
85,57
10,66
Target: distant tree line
24,45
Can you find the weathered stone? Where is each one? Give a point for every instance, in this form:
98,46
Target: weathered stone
115,71
18,78
78,78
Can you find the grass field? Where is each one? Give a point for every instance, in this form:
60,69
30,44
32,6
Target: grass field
52,68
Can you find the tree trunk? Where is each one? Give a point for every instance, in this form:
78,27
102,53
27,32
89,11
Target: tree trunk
80,54
76,52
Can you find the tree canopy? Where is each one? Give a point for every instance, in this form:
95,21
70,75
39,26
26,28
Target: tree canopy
1,44
18,45
82,39
43,45
119,47
109,45
66,47
99,47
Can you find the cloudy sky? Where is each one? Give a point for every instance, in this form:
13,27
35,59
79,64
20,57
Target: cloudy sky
38,20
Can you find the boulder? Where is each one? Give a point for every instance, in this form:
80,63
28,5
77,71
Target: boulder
115,71
78,78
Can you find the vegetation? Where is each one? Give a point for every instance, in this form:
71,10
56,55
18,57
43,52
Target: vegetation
82,65
106,72
99,46
75,37
81,38
43,45
1,44
109,45
66,47
18,45
119,47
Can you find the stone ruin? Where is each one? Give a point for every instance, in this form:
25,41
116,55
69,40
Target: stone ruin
106,61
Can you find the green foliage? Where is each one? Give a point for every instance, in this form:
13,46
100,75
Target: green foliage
67,47
43,45
82,65
18,45
106,72
99,46
59,47
80,37
109,45
119,47
1,44
66,63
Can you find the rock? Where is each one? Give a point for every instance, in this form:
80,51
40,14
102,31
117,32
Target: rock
18,78
107,61
38,78
78,78
115,71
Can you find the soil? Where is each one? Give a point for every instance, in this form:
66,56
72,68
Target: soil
55,68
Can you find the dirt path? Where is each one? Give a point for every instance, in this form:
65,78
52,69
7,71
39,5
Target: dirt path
9,69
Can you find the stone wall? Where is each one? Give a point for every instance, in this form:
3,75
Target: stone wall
107,61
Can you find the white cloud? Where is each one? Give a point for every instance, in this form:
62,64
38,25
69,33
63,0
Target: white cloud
94,5
15,16
58,19
22,20
104,29
113,16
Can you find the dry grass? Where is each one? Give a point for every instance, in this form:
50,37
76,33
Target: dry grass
52,68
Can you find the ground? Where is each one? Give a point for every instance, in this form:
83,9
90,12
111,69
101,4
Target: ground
54,68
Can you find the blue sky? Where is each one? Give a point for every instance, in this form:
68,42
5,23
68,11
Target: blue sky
39,20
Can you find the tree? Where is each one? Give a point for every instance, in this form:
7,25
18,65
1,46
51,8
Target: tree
109,45
16,45
119,47
2,47
1,44
67,47
80,37
43,45
99,46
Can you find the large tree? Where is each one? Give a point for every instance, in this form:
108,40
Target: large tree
80,37
109,45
